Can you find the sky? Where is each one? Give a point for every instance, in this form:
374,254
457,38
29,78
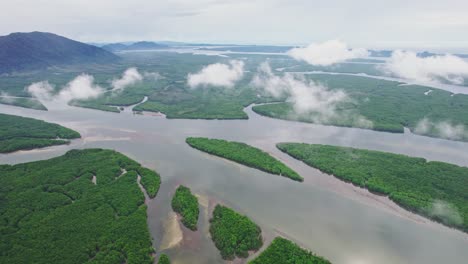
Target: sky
416,24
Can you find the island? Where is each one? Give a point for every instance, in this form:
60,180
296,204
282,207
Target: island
22,133
84,206
284,251
243,154
164,259
434,189
234,234
186,204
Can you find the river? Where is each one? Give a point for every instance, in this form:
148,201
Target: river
343,223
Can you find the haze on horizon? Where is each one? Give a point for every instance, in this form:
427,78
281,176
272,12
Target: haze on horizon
419,24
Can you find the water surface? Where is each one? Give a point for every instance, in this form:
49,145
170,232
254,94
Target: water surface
343,223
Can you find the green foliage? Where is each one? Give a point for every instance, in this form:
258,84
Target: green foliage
52,212
244,154
150,181
434,189
164,259
234,234
388,105
284,251
14,144
186,204
21,133
23,102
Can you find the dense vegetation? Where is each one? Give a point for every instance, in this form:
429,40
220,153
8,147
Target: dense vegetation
284,251
21,133
389,106
244,154
150,180
51,211
164,259
434,189
186,204
23,102
234,234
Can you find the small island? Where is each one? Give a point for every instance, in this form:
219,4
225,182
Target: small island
186,204
22,133
234,234
243,154
164,259
436,190
284,251
84,206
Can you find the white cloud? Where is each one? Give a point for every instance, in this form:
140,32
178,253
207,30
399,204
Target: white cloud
308,97
80,88
217,74
327,53
129,77
6,97
446,212
41,90
407,65
305,96
444,129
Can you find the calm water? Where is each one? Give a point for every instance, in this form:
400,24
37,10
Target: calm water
345,224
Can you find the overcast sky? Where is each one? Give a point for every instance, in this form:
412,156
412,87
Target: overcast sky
421,24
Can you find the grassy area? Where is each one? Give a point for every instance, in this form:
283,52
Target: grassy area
284,251
388,105
433,189
21,133
243,154
234,234
52,212
186,204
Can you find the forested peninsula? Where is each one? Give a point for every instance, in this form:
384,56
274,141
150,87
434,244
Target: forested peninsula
23,133
82,207
433,189
243,154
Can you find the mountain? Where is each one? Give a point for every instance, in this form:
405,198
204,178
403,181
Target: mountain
36,50
141,45
114,47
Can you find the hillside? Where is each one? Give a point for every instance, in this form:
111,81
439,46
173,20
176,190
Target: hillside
36,50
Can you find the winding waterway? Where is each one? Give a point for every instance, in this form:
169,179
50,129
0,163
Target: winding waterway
346,224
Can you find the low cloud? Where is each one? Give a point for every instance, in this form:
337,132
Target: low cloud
154,76
83,87
437,68
6,98
41,90
446,212
80,88
130,77
327,53
218,74
444,129
307,97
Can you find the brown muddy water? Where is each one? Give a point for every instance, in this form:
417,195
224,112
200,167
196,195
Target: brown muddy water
343,223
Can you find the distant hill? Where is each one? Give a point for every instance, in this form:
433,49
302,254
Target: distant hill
252,48
36,50
141,45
